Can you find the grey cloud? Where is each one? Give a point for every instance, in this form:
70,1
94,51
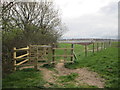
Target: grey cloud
102,25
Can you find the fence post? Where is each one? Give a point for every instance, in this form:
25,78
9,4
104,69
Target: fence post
53,53
101,45
85,50
49,54
72,46
109,43
104,45
36,59
14,57
93,47
65,52
28,52
97,46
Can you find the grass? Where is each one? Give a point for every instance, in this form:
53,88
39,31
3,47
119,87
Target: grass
27,78
69,78
104,62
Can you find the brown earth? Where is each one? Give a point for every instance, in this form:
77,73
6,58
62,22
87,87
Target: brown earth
85,75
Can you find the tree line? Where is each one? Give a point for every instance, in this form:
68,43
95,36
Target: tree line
25,23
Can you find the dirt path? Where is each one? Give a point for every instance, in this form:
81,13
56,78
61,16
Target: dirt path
85,76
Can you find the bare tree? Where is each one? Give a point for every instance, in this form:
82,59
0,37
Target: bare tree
40,15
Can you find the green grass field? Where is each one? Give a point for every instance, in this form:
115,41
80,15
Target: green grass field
104,62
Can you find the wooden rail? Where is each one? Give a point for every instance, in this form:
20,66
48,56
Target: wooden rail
22,57
63,48
65,53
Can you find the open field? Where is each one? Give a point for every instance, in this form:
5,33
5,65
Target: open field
103,63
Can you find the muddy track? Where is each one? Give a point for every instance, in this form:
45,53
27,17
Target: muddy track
85,76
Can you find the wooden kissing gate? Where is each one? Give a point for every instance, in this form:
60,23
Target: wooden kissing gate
35,53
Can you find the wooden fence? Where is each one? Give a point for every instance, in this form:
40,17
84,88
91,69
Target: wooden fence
35,53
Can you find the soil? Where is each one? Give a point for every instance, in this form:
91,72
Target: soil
85,75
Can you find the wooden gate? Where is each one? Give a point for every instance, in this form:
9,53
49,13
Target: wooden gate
39,53
36,53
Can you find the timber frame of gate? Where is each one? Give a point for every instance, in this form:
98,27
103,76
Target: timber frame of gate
65,53
33,55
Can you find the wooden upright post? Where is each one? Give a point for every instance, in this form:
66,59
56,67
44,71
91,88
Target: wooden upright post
14,57
36,59
49,54
53,52
97,46
65,52
104,45
72,51
28,52
85,50
101,45
93,48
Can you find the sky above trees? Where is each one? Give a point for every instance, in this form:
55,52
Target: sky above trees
89,18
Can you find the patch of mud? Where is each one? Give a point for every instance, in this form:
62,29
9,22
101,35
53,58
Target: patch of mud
85,76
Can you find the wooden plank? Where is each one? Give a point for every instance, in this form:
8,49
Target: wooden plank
22,56
63,55
22,62
63,48
21,49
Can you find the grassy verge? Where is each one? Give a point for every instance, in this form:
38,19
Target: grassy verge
27,78
104,62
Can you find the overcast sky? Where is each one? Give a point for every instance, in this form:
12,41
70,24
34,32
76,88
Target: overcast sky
89,18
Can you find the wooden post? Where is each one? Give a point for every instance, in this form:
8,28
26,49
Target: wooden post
109,43
36,59
49,55
104,45
14,57
85,50
101,45
28,52
53,52
72,51
65,52
97,46
93,48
